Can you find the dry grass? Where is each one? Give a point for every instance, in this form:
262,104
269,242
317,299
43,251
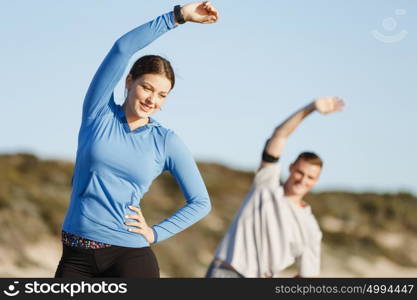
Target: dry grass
34,195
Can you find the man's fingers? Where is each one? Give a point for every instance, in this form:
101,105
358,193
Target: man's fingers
340,104
336,103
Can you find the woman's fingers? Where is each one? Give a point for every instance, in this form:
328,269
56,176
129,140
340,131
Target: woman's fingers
138,216
210,8
134,217
138,213
143,229
209,20
134,208
213,14
136,224
139,224
137,230
200,12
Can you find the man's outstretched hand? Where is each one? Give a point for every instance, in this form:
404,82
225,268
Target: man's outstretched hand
327,105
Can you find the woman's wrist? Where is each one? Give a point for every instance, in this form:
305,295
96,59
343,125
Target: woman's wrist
154,234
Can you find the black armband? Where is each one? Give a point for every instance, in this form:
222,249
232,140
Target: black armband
268,157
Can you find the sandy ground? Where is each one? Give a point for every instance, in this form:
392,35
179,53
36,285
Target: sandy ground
44,257
358,267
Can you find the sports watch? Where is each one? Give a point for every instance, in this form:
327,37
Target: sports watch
178,14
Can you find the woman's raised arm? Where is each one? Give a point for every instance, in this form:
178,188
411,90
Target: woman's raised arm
99,94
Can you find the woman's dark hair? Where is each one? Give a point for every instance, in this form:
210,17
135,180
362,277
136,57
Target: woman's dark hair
153,64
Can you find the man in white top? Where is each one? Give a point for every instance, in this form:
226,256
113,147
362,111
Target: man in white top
274,227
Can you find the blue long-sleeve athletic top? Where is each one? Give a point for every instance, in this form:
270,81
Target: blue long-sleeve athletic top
115,166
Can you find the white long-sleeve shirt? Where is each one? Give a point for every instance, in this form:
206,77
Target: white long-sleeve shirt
270,232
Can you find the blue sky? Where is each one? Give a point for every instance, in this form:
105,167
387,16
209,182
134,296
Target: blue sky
236,80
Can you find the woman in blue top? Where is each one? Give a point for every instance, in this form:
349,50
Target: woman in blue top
121,150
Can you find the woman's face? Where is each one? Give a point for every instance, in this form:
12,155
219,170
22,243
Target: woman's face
146,94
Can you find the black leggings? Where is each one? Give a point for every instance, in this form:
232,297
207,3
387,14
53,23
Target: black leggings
114,261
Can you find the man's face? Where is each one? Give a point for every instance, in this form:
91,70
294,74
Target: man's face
303,177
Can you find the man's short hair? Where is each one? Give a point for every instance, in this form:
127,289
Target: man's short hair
311,158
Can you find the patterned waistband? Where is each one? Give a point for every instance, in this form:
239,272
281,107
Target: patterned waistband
73,240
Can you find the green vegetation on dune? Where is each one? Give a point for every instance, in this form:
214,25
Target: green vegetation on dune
34,195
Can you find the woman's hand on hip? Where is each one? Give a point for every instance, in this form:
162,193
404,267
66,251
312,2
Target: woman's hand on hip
200,12
139,222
